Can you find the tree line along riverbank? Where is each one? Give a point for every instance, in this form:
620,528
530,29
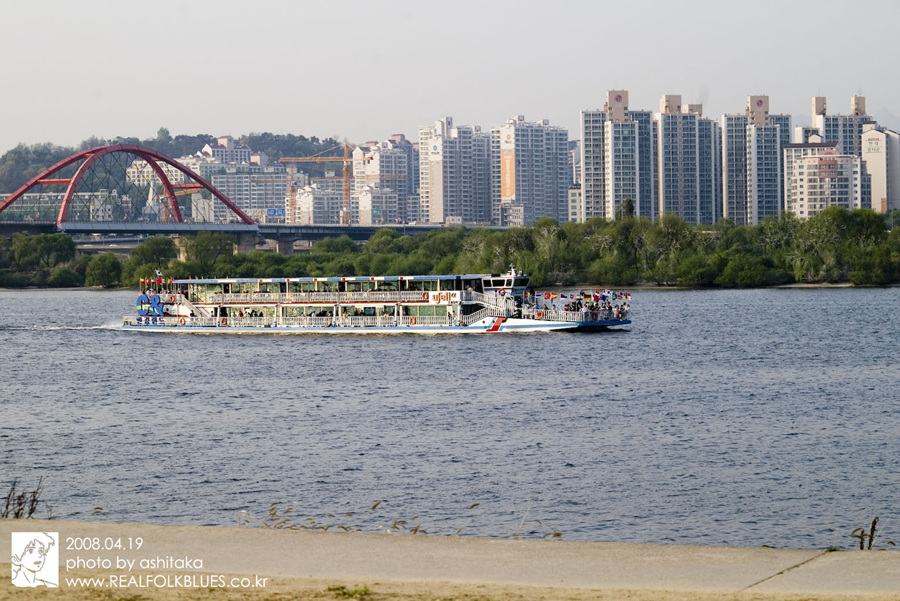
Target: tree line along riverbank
856,247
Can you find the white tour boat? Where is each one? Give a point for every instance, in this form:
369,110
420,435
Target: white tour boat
429,304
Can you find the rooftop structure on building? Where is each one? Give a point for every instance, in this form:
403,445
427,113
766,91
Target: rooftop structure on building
846,130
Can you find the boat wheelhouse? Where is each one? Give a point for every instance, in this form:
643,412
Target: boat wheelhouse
467,303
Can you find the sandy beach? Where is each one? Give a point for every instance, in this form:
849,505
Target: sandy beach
188,562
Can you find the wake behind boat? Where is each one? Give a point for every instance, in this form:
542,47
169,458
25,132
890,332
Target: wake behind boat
432,304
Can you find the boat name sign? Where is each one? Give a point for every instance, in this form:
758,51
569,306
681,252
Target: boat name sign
445,297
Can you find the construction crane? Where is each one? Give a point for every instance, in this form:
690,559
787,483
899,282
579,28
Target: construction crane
177,190
346,159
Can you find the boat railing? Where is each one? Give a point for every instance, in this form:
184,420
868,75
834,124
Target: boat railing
499,306
371,296
191,307
573,316
476,316
168,320
306,321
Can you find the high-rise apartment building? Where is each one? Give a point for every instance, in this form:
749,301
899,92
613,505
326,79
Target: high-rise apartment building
247,178
792,154
678,167
824,180
846,130
255,187
575,160
378,205
575,211
752,144
688,152
530,169
454,173
881,157
709,157
226,151
318,205
618,159
386,167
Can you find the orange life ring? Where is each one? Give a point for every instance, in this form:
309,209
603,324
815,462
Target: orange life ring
412,321
539,315
181,321
224,321
424,296
171,298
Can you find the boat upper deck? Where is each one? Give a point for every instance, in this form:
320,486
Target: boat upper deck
391,289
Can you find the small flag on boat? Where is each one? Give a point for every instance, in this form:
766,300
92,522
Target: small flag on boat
158,273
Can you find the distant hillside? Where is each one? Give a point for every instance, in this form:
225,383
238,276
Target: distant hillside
23,162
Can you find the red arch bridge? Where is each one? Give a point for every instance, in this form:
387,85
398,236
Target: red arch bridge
130,189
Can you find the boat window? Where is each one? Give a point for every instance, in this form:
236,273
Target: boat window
475,284
328,286
360,286
521,282
202,292
387,286
270,287
244,288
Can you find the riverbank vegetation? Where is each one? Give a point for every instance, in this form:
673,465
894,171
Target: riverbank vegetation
835,246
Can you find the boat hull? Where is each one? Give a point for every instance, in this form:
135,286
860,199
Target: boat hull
493,325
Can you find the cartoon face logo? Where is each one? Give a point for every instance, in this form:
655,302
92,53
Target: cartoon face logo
35,559
759,103
618,98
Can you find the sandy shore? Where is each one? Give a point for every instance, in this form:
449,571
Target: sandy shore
240,563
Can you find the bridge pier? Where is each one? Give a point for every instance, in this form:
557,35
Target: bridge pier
245,243
284,244
181,244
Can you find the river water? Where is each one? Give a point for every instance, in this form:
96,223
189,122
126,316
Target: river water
753,417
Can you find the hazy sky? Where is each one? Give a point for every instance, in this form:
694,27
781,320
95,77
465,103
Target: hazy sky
363,70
